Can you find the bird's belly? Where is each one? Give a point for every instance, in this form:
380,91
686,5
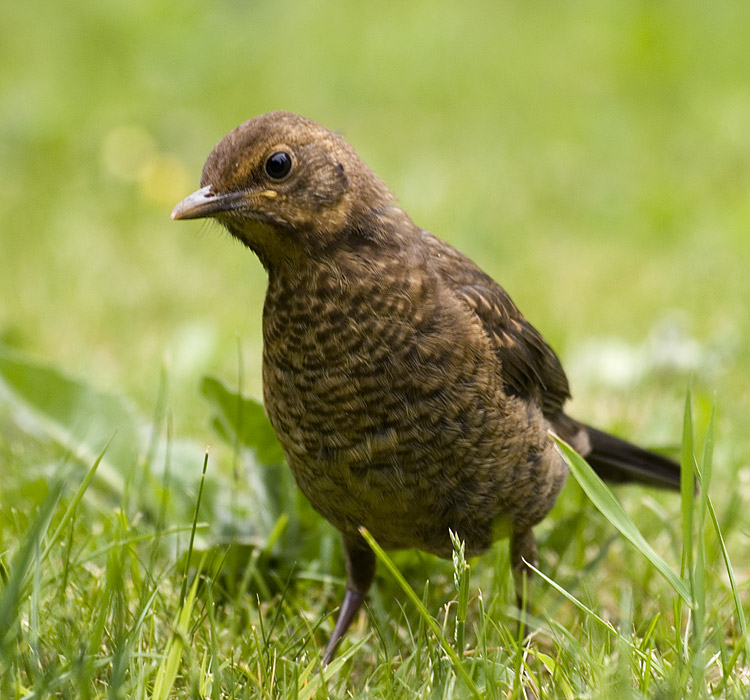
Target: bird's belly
408,456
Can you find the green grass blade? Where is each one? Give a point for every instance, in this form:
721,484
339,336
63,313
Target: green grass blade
71,509
687,487
688,474
385,560
167,672
588,611
310,681
19,570
611,509
461,579
730,571
699,572
706,473
193,529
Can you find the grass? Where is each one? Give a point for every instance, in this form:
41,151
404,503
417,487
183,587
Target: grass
116,602
593,159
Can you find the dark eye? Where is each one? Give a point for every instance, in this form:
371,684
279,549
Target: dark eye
278,165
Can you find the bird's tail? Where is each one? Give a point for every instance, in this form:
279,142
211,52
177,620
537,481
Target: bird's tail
617,460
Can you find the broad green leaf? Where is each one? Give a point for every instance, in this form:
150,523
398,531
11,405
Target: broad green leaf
93,426
265,494
242,420
611,509
79,418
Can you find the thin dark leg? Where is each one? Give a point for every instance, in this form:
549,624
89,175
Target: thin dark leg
352,602
360,570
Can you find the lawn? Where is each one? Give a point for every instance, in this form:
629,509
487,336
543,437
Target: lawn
593,158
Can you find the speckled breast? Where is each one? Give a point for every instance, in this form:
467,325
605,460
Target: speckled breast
390,411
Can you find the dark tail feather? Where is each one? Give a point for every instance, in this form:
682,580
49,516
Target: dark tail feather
616,460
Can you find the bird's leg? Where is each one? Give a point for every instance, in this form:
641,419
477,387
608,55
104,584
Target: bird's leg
360,570
522,550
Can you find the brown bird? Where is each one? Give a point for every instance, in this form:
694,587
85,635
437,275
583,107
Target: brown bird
409,393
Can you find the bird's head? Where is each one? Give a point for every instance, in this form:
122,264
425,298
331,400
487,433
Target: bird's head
285,186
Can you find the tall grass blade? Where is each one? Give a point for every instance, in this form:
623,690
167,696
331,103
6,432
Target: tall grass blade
588,611
461,578
167,671
385,560
193,529
611,509
699,572
21,565
71,509
687,504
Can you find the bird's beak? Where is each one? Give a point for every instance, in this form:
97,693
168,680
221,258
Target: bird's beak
205,203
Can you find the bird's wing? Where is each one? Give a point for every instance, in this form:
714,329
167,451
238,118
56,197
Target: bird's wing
529,368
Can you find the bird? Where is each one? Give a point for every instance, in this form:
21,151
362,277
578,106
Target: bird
410,395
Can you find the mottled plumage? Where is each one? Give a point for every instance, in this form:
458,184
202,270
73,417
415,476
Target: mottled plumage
410,395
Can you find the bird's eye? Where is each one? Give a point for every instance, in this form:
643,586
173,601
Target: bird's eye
278,165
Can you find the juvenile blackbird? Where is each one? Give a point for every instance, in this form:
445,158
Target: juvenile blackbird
410,395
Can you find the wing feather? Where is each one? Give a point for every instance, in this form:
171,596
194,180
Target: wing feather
529,367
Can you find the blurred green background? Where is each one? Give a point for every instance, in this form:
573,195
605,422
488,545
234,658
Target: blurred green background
593,157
